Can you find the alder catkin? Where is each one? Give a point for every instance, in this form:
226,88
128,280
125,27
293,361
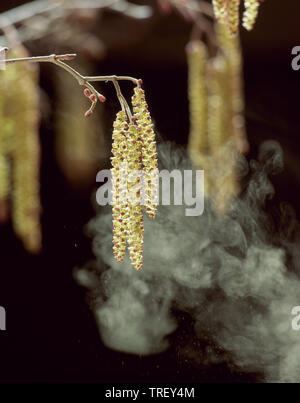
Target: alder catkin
220,10
233,16
230,48
5,125
79,142
250,13
135,225
21,112
220,135
197,94
119,186
227,13
149,153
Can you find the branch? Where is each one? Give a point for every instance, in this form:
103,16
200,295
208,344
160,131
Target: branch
85,81
26,11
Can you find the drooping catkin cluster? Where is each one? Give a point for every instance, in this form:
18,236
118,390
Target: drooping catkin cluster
227,13
134,178
217,131
20,148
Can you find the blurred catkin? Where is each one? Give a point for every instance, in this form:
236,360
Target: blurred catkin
197,94
227,13
20,137
79,142
250,13
217,111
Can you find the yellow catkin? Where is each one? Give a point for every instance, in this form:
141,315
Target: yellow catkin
222,168
149,153
119,186
230,48
220,10
134,171
233,15
22,111
78,141
250,13
4,161
197,94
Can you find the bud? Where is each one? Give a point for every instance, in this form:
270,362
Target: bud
87,92
93,97
88,113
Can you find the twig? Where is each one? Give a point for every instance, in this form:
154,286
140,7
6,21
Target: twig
83,80
26,11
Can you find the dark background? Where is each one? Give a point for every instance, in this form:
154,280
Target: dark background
51,334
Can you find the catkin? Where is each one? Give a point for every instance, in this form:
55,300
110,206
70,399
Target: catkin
220,9
21,111
227,13
78,141
230,48
233,16
217,128
149,153
197,94
197,59
134,178
119,186
224,182
4,159
250,13
135,225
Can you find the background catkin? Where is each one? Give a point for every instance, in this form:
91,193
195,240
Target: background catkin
198,142
217,128
20,133
233,16
79,141
227,13
250,13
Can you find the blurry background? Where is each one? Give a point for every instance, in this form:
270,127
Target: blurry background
51,334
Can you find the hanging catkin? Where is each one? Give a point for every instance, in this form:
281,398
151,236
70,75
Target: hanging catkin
134,178
233,15
21,109
227,13
120,209
230,48
5,125
220,9
79,141
197,94
224,182
135,225
217,128
149,153
250,13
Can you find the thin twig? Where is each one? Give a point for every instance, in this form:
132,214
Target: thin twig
26,11
83,80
